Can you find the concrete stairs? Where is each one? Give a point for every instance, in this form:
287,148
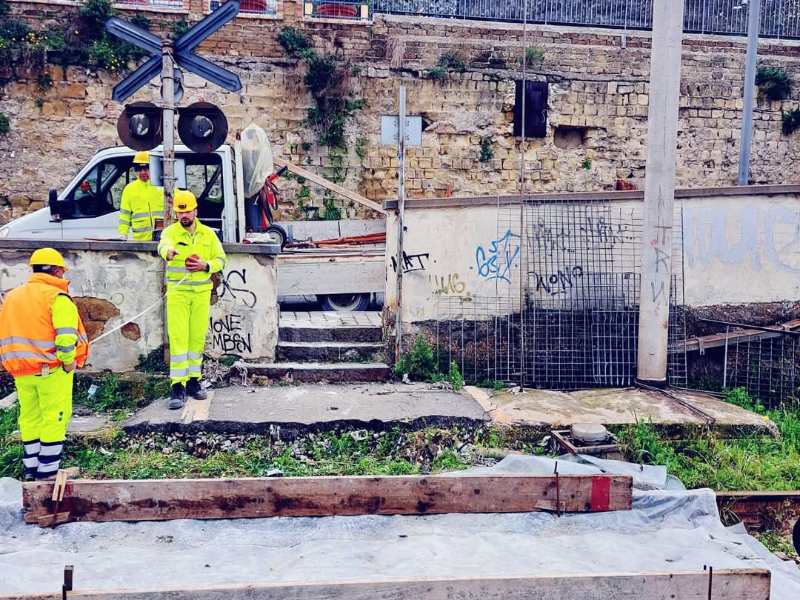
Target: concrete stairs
328,347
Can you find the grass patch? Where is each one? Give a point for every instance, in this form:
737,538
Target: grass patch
750,463
778,543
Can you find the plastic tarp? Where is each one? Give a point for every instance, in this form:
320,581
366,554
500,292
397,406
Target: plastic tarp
257,162
667,530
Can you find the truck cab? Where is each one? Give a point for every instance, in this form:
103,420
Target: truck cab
88,207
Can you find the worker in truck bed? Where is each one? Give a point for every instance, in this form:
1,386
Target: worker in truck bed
141,209
42,342
193,252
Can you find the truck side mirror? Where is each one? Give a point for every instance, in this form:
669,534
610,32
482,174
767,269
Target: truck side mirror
52,201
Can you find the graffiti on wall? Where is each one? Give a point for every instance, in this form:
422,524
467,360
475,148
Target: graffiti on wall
228,335
450,285
495,261
412,262
759,237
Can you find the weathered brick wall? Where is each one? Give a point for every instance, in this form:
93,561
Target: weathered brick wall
598,88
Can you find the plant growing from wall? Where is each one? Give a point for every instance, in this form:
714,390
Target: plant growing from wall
774,83
436,73
791,121
5,124
587,164
534,55
452,62
178,28
327,79
487,152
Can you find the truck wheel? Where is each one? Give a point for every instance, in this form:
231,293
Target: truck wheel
277,235
344,302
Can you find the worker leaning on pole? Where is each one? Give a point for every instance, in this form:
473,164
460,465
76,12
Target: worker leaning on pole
193,252
42,341
141,209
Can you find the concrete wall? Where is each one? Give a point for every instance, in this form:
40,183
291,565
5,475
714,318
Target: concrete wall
741,246
112,282
597,117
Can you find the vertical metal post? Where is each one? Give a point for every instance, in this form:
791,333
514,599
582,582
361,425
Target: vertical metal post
401,204
753,27
168,126
659,194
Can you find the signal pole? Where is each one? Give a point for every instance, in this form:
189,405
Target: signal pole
168,102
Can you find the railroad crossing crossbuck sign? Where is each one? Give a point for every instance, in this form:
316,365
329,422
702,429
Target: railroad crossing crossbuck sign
202,126
183,52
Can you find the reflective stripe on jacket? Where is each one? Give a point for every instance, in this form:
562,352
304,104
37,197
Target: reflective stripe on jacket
203,242
40,325
141,204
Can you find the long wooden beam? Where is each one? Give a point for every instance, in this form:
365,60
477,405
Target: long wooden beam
734,584
350,195
157,500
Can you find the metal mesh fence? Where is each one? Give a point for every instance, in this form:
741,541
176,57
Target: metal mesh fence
571,319
353,10
767,365
779,18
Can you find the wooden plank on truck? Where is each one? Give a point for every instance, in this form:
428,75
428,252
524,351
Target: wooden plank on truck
724,584
313,177
166,499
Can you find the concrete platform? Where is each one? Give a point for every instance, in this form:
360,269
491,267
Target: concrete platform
291,410
547,409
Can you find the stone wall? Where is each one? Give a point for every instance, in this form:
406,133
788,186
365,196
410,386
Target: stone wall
596,123
115,281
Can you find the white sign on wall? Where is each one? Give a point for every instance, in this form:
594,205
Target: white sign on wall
390,127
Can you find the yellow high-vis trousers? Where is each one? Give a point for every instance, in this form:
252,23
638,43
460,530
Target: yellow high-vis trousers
45,410
187,325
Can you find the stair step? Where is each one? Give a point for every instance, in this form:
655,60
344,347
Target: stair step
313,372
311,333
328,351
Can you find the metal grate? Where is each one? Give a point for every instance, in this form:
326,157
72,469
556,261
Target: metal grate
579,294
767,365
779,18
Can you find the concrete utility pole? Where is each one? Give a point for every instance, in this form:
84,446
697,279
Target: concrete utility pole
168,100
659,193
753,30
401,204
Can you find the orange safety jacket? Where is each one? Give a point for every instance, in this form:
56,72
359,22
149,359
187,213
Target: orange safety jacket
27,333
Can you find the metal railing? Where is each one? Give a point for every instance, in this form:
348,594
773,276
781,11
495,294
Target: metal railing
151,3
779,18
348,10
251,7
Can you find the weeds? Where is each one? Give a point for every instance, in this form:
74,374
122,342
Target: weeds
790,121
5,124
752,463
534,55
419,363
487,152
454,376
774,83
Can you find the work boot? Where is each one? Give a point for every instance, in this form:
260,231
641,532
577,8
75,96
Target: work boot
194,389
178,396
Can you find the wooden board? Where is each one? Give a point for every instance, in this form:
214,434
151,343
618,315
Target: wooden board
313,177
735,584
760,510
156,500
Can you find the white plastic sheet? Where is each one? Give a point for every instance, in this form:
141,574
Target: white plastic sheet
666,530
257,163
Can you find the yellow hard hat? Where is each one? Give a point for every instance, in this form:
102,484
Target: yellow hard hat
141,158
184,201
47,256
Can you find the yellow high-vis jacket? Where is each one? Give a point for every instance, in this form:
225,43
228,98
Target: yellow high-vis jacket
142,203
203,243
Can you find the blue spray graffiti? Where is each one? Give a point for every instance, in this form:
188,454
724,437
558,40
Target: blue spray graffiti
496,261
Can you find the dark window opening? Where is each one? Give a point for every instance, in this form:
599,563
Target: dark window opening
535,112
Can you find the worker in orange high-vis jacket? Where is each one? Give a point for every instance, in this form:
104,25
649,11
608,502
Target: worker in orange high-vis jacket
42,342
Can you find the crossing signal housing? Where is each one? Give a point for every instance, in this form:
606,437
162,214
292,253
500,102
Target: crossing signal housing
202,126
139,126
